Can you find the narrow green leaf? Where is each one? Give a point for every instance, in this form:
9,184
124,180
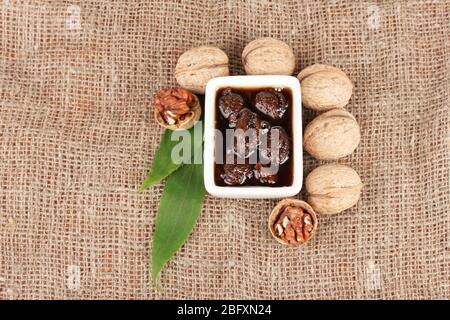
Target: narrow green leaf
180,206
163,164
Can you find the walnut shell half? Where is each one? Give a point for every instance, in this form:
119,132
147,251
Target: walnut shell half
332,135
197,66
324,87
187,120
307,225
268,56
333,188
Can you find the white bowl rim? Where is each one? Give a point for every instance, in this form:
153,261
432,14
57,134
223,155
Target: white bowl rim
252,192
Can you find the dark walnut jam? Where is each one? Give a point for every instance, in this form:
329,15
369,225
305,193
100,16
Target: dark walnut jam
259,152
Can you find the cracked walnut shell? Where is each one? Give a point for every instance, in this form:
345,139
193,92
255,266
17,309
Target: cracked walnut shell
197,66
176,108
292,222
324,87
333,188
332,135
268,56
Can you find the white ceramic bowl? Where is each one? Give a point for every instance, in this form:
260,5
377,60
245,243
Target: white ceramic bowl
210,114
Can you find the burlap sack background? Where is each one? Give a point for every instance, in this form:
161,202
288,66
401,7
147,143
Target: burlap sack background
77,139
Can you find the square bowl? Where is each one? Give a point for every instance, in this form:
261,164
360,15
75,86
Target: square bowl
253,192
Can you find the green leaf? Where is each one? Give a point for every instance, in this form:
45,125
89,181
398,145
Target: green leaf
180,206
163,164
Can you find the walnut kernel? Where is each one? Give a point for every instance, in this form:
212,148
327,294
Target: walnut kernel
176,108
292,222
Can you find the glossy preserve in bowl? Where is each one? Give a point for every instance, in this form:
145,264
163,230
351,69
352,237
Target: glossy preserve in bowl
268,111
253,137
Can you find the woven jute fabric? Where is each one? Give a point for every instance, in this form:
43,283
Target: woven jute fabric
78,137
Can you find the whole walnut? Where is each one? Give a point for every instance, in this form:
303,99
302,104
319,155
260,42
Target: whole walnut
333,188
268,56
197,66
332,135
324,87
